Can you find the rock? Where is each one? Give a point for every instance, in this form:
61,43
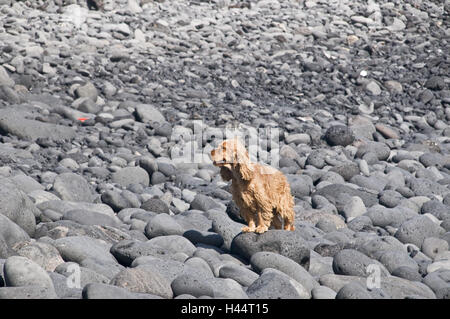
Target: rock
163,225
88,90
63,290
203,203
353,290
353,263
20,271
393,86
156,205
339,135
131,175
43,254
373,88
407,273
17,206
386,131
148,113
225,227
87,275
393,259
286,243
27,292
338,195
323,292
143,280
73,187
273,284
10,235
415,230
355,207
4,77
432,246
192,285
78,248
104,291
14,123
240,274
263,260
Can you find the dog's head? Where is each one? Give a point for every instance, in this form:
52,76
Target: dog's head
231,155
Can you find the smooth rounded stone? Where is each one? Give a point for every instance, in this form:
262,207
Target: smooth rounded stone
353,290
387,131
432,246
425,187
148,113
5,78
27,292
287,243
131,175
354,263
87,275
339,135
201,265
432,159
26,183
163,225
203,203
390,198
156,205
169,269
107,269
17,206
382,216
299,138
62,289
263,260
194,219
240,274
405,191
436,208
399,288
73,187
415,230
226,288
143,280
126,251
225,227
10,234
86,217
39,196
20,271
323,292
211,257
116,201
190,284
372,182
381,150
407,273
104,291
45,255
360,223
87,90
338,194
347,170
62,207
203,237
376,246
354,208
274,284
394,259
443,293
316,158
437,280
336,282
326,225
77,248
301,185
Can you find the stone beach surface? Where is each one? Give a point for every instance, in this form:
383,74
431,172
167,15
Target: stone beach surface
98,99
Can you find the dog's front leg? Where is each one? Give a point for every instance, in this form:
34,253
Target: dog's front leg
263,225
250,219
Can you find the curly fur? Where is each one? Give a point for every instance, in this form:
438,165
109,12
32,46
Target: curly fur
261,192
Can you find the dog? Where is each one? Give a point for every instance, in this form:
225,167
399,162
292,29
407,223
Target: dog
261,192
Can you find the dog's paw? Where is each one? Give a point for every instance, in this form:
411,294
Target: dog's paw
247,229
261,229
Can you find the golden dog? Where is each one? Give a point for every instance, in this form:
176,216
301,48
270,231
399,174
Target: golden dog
261,192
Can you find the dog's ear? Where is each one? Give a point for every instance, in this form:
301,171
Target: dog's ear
243,162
